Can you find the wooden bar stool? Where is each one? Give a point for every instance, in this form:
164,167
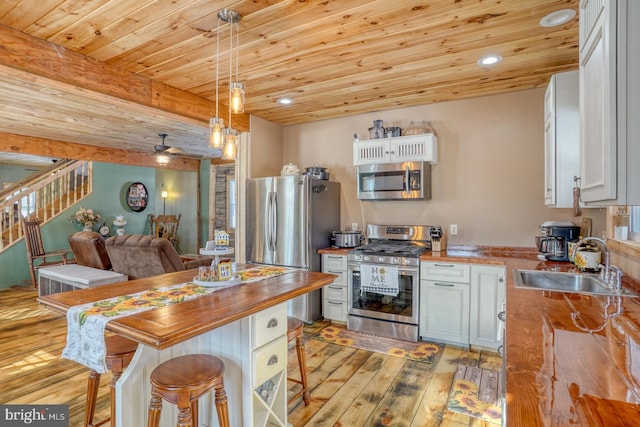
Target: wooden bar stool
120,351
182,381
295,329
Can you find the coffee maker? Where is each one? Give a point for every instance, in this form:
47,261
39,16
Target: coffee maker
554,242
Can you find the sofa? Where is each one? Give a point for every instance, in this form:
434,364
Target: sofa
140,255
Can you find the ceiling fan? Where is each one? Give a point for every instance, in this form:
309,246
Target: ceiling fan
173,151
163,148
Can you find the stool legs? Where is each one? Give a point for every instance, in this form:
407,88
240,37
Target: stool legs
302,363
295,330
92,397
221,406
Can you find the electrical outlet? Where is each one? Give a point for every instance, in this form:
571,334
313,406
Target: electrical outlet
453,229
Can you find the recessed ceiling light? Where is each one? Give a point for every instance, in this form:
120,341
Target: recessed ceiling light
558,17
285,101
489,60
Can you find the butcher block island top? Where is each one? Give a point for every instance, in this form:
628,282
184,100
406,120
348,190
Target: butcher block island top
166,326
560,371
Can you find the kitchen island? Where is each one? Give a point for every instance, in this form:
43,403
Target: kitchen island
241,324
559,370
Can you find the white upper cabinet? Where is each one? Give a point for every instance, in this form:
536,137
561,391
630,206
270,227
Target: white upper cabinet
610,102
413,148
561,139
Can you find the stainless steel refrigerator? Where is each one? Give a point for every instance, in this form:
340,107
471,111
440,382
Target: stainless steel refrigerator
288,219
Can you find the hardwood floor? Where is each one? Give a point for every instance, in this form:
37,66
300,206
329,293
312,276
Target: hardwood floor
349,387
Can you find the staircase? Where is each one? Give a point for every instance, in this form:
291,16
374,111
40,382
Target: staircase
44,195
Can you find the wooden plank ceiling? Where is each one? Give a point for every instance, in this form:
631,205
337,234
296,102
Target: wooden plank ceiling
78,70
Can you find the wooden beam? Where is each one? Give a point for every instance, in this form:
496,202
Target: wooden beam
68,150
42,58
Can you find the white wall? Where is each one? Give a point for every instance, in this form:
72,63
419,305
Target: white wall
489,179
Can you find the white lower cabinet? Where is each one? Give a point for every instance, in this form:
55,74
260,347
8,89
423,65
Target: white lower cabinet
459,303
334,296
487,295
444,303
269,367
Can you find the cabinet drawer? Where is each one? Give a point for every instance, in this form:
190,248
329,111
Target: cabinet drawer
335,310
269,360
269,324
445,271
334,262
335,292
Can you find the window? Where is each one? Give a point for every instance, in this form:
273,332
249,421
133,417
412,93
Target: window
231,203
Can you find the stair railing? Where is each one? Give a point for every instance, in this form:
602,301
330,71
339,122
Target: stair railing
44,195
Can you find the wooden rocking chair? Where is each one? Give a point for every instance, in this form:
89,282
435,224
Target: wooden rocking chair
37,257
165,226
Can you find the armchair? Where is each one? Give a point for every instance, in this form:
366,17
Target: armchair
139,255
89,250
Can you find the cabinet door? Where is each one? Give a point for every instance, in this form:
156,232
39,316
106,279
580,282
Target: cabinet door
550,145
444,311
598,106
417,148
371,152
487,296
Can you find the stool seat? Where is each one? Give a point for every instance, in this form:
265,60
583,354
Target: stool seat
295,331
119,353
182,381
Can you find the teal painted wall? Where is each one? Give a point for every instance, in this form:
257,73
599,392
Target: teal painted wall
110,182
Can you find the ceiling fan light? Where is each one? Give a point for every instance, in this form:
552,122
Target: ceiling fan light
216,133
230,150
163,159
236,97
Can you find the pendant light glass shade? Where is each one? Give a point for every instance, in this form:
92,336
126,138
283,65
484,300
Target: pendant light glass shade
163,159
230,150
216,133
236,97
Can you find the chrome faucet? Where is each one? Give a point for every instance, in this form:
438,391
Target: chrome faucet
610,274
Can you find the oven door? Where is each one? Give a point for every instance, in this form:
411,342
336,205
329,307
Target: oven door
365,301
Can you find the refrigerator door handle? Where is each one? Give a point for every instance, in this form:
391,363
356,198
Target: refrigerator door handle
274,221
268,220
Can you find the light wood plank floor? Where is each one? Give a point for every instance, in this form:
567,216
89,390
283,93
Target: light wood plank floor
349,387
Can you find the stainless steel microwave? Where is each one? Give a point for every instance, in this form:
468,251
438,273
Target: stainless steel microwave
394,181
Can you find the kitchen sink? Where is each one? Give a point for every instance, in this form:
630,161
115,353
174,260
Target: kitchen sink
565,282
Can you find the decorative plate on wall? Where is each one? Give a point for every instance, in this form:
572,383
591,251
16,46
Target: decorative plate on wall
137,197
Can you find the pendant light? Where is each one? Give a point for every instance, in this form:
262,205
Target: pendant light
236,89
216,124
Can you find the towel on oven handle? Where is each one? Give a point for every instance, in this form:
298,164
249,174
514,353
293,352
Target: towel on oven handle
379,279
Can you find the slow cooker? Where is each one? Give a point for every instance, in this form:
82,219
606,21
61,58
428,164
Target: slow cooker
346,239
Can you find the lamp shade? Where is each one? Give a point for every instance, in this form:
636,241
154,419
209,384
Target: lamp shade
216,133
236,97
230,150
163,159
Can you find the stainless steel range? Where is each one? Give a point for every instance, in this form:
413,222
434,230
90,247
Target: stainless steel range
383,278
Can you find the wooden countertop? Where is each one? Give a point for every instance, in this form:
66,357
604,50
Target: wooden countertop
556,372
166,326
